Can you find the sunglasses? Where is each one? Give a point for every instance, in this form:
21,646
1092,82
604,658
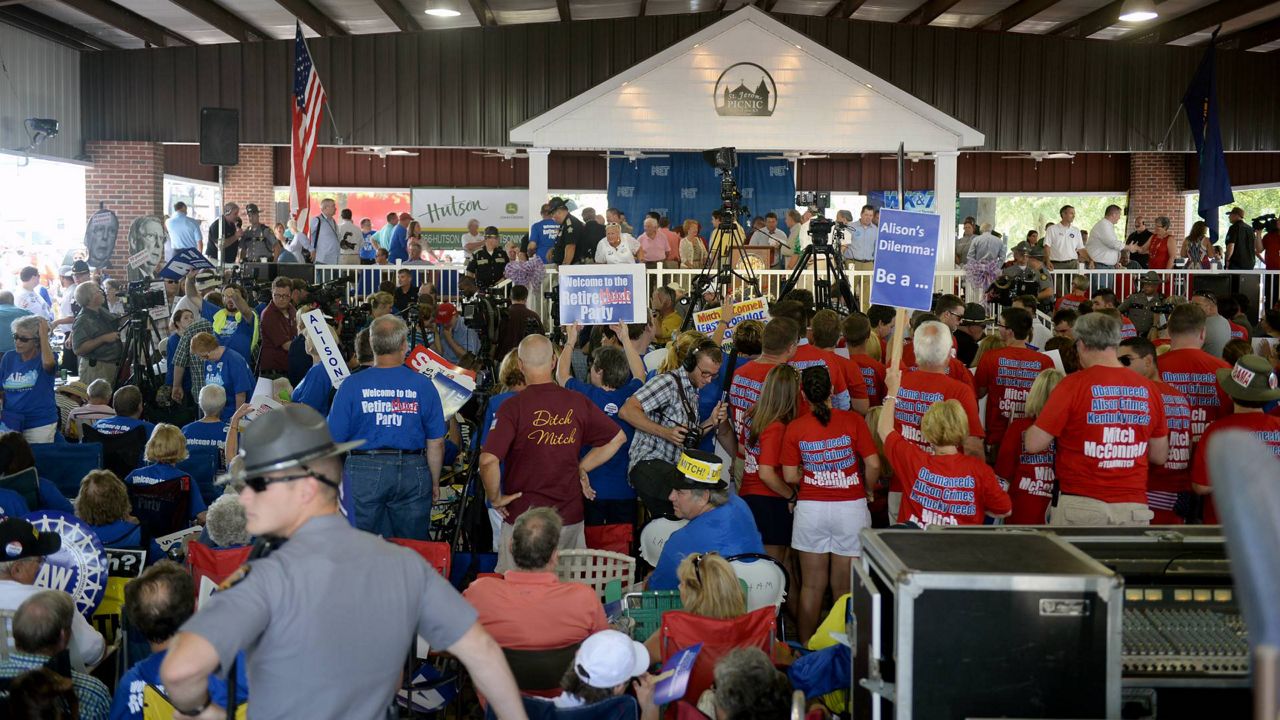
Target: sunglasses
23,338
260,483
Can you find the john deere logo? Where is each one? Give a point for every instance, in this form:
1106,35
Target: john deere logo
746,90
512,209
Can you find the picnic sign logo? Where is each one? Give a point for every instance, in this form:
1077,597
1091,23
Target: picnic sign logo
745,90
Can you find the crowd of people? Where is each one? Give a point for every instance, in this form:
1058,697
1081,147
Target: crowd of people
671,446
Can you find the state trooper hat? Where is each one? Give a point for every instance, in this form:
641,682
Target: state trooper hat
288,437
557,203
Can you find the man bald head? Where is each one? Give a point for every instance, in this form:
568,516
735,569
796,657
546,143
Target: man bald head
536,354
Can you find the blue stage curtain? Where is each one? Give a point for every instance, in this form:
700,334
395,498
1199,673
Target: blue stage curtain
684,186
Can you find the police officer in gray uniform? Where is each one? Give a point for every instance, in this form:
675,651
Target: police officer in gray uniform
327,619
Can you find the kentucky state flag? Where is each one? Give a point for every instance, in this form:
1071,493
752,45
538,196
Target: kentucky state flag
1201,105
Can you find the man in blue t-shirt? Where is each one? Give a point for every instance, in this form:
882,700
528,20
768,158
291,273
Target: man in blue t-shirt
393,478
127,402
210,430
235,324
398,250
157,603
368,242
542,236
616,374
224,367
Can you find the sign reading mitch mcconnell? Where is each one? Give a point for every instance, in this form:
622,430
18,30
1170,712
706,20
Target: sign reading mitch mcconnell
746,90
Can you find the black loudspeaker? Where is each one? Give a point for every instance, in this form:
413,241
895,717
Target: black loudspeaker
219,136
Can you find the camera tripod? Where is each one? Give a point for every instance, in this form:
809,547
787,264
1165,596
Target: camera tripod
825,278
140,354
718,269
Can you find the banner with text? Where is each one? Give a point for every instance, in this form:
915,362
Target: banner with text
603,294
906,257
79,568
184,261
753,309
454,384
326,346
443,213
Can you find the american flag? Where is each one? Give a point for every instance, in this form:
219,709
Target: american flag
308,105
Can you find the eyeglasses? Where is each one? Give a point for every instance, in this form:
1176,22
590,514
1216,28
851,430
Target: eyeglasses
1126,360
23,338
953,312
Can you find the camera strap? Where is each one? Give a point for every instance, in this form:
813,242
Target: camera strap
691,412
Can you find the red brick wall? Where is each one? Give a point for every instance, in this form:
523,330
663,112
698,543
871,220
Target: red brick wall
251,181
128,177
1155,180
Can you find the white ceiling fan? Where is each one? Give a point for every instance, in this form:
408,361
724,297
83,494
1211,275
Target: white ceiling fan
1039,155
506,153
382,151
911,156
632,155
792,155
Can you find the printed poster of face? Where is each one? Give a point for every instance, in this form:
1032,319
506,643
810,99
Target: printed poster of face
100,237
147,237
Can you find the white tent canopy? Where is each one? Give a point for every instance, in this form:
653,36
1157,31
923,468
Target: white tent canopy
749,82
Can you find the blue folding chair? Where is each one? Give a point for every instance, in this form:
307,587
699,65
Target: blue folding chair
202,465
66,464
622,707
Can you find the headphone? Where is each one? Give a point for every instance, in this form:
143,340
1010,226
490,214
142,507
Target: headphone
691,360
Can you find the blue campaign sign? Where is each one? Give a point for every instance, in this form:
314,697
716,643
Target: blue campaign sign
80,567
906,257
184,261
603,294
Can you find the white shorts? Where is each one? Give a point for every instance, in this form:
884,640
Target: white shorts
830,527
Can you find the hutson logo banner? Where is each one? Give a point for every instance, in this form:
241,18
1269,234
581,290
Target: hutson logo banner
746,90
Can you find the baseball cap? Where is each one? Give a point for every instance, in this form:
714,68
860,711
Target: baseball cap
609,658
20,539
445,312
492,231
1252,379
79,267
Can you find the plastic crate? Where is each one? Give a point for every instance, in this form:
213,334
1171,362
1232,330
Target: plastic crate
644,610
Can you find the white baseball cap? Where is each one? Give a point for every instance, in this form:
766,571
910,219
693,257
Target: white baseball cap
610,658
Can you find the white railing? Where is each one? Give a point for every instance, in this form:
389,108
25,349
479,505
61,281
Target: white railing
366,280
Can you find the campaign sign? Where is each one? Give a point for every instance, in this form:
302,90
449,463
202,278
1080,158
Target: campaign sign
753,309
673,681
123,563
326,346
183,262
454,384
79,568
603,294
906,257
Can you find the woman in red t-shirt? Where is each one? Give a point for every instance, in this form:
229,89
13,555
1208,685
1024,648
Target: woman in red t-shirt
831,456
762,488
1028,477
946,487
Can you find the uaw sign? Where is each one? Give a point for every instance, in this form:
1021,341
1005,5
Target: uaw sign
79,568
746,90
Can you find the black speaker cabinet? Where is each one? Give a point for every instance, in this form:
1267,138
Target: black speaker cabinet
219,136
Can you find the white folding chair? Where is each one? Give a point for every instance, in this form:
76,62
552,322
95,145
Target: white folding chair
766,580
654,537
596,568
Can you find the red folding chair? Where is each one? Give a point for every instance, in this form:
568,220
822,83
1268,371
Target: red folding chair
217,564
615,538
437,554
682,629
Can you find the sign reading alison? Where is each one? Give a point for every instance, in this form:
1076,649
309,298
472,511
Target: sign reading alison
906,256
746,90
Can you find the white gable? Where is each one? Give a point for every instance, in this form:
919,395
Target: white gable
823,103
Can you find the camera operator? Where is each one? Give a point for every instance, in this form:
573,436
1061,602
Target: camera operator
279,328
95,336
572,245
1034,280
665,411
456,338
488,263
1140,306
520,321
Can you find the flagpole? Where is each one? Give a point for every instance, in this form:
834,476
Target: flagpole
337,136
1176,114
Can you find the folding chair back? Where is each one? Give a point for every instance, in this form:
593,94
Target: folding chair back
538,672
765,577
682,629
162,508
437,554
654,537
202,465
596,568
622,707
121,454
210,566
66,464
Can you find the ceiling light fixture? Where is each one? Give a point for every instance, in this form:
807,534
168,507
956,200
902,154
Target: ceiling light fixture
1138,11
441,8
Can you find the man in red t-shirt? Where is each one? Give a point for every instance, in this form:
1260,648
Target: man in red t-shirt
1107,423
1164,483
1192,370
1252,383
857,333
923,388
538,435
777,345
953,368
1004,375
824,333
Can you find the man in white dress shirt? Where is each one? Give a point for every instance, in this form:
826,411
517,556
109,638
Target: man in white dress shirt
1062,239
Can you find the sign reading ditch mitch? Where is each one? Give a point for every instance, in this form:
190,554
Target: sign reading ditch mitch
906,256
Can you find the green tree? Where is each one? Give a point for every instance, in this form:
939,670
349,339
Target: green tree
1016,214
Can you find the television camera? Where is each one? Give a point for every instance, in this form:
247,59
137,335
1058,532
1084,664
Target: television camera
1266,222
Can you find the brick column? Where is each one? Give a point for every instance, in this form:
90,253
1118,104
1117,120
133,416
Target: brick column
128,177
1155,184
251,181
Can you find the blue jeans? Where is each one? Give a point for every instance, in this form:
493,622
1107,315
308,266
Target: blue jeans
390,494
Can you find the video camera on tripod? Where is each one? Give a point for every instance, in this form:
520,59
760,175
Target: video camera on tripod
725,160
819,225
140,297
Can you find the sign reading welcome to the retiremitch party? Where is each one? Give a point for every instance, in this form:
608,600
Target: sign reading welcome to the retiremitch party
443,213
906,257
603,294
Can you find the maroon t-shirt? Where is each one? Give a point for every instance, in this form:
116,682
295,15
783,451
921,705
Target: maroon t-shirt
539,434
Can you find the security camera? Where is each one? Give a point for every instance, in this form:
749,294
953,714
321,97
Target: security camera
42,129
